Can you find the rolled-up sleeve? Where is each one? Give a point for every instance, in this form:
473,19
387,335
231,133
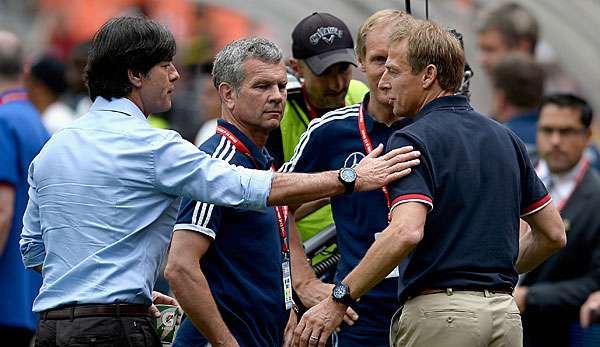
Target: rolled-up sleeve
31,244
181,169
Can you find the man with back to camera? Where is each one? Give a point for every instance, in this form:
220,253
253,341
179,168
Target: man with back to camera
456,217
359,218
323,52
518,87
104,193
22,135
241,292
549,297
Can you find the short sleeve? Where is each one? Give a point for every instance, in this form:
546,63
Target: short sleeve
199,216
534,195
308,151
8,155
418,186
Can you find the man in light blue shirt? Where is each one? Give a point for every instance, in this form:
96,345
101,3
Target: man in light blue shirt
104,192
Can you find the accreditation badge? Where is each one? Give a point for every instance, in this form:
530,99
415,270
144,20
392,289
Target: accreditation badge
287,283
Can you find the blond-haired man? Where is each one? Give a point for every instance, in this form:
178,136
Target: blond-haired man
455,218
358,218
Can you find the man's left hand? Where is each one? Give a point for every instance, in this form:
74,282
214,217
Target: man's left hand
318,323
160,298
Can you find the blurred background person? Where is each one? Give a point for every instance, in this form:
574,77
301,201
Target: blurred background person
22,135
518,87
549,297
46,84
511,27
77,96
210,104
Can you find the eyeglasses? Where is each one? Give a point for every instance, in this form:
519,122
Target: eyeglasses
563,132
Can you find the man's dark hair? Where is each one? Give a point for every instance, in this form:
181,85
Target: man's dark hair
121,44
571,101
50,71
520,78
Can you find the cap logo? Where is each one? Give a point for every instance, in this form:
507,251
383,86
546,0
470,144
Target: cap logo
327,34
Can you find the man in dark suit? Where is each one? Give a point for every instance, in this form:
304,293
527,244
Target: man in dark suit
549,297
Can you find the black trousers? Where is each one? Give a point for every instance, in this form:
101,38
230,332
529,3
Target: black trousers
19,337
97,332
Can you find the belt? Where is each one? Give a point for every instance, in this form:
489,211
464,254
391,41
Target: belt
102,310
449,291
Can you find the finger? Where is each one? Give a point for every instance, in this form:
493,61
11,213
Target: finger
314,341
348,320
298,332
396,176
404,165
154,311
398,158
324,336
376,151
584,316
351,316
397,151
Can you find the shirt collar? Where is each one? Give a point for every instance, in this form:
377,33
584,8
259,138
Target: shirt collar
119,105
263,158
569,176
444,102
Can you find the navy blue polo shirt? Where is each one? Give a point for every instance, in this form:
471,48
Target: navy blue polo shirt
22,136
331,142
477,179
243,263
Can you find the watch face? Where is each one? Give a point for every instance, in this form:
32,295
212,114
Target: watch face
348,175
339,291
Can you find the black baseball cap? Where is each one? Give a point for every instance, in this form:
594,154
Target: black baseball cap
322,40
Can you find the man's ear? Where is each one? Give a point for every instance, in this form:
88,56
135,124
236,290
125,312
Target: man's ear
227,95
295,65
135,78
429,76
361,65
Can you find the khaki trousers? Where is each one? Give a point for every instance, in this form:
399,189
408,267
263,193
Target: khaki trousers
458,319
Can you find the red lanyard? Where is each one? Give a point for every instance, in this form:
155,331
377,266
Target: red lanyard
281,212
13,95
362,129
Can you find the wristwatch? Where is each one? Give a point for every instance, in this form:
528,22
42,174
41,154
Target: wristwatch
341,294
347,176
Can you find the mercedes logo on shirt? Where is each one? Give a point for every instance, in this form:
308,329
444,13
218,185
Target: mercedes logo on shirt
353,159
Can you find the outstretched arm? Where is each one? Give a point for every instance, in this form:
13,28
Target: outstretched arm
373,172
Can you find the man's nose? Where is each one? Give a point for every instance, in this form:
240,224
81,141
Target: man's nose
384,83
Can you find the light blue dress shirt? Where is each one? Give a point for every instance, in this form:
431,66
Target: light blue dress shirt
103,199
